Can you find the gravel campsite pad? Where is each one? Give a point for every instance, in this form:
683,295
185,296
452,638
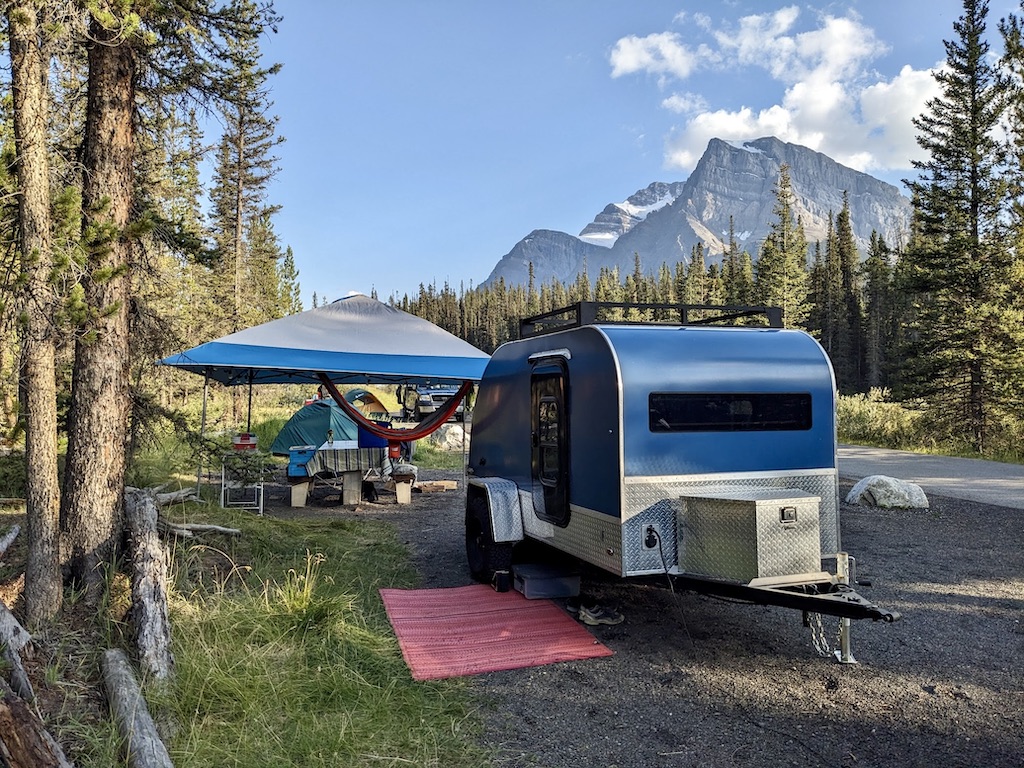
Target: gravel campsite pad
696,681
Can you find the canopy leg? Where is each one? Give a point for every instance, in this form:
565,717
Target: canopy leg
202,434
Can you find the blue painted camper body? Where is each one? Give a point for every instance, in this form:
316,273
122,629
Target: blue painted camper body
622,475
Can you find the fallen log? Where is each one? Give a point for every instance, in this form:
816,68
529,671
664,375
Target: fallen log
143,745
175,497
209,528
24,740
189,530
9,538
13,638
149,586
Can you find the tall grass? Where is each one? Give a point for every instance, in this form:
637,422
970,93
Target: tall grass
873,419
285,655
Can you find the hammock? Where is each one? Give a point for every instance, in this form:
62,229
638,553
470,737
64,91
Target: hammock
396,436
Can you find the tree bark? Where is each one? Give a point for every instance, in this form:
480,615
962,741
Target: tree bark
134,723
149,586
24,741
43,589
98,420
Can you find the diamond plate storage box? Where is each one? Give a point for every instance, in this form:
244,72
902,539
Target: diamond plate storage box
748,534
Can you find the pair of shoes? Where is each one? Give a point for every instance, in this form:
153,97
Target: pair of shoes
599,614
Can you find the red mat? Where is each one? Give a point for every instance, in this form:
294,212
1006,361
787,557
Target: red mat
469,630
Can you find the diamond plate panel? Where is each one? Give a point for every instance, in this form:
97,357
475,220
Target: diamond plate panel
647,493
590,536
748,535
503,505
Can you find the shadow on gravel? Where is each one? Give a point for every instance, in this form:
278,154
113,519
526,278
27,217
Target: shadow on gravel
697,681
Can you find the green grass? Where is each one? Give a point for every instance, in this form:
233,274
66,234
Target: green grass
428,456
873,419
285,655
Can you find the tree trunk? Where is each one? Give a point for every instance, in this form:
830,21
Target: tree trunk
98,420
42,501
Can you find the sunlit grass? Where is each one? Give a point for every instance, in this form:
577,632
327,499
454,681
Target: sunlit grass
873,419
290,660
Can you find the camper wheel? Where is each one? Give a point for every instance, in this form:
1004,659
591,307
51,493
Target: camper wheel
485,555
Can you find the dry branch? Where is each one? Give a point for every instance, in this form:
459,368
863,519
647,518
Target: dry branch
9,538
134,723
14,637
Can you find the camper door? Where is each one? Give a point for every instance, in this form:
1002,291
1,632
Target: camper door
550,442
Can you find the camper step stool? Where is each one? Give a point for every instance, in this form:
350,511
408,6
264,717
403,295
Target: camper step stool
540,581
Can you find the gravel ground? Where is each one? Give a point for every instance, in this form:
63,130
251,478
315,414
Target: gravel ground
696,681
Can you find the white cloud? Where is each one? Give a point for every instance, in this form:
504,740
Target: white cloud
829,98
661,54
685,103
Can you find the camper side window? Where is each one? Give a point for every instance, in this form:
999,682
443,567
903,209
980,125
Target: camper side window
548,423
729,411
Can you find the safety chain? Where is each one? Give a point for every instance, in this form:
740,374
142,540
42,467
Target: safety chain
818,637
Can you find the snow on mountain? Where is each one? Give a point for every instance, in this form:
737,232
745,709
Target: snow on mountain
618,218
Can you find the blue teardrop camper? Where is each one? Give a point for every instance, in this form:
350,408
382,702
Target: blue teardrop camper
703,453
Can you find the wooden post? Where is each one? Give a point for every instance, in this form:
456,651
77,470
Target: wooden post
149,585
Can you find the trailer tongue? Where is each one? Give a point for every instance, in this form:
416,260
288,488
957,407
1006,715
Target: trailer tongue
675,447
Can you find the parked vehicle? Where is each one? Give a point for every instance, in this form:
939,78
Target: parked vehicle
687,449
420,401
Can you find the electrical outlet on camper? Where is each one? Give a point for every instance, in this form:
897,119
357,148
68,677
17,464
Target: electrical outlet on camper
652,536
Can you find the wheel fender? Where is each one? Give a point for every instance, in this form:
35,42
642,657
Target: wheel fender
503,506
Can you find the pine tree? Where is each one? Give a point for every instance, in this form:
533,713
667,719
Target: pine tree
30,96
245,166
781,273
960,268
696,273
879,311
852,307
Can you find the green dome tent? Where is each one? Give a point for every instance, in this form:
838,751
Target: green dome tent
309,426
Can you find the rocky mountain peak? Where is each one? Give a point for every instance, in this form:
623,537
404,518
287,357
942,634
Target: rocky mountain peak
733,181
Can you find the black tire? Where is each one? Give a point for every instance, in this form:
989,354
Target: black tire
484,555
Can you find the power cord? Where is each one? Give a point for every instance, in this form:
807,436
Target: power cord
651,538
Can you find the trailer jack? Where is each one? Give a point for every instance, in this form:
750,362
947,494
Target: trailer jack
819,593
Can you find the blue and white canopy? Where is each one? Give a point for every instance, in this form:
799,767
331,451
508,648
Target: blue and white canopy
353,340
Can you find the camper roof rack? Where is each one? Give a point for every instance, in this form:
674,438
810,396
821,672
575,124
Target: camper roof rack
632,313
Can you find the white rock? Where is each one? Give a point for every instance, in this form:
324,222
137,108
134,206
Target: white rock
450,437
888,492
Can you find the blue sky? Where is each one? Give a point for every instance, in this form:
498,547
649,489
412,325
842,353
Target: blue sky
424,139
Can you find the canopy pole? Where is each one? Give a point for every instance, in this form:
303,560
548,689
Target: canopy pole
248,417
202,433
